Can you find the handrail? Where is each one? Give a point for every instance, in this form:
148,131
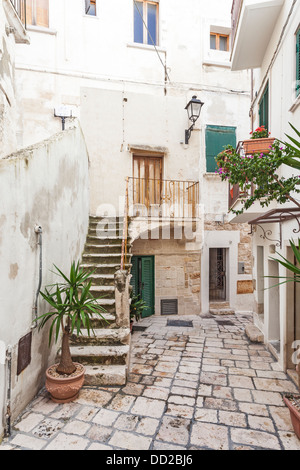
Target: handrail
125,228
164,198
20,9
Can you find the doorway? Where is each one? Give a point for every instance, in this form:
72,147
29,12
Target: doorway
142,281
217,274
147,178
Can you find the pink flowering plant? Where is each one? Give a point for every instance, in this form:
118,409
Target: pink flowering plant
258,176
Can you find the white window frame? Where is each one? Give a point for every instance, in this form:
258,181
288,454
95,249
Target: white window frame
145,23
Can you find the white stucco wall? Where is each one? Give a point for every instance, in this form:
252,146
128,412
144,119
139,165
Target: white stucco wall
279,69
46,184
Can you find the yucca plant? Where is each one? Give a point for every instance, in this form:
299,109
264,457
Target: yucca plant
72,308
294,269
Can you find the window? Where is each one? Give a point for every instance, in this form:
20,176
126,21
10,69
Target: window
37,13
216,138
298,62
219,42
145,22
264,108
90,7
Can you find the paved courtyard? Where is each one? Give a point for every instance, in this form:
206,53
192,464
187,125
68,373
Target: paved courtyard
195,387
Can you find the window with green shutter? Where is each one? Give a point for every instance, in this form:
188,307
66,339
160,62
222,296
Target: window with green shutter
264,108
298,62
216,138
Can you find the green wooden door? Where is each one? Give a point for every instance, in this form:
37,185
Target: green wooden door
142,281
216,138
298,62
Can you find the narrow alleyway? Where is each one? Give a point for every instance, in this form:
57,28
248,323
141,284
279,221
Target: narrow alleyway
192,387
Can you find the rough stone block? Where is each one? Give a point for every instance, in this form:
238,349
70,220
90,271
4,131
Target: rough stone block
254,334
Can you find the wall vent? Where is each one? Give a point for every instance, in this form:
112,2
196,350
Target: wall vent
24,353
169,307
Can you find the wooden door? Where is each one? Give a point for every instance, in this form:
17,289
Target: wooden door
147,178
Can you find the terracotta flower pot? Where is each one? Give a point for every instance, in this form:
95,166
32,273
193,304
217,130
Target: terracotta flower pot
294,412
64,389
252,146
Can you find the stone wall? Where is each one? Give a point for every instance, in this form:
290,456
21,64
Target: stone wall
177,273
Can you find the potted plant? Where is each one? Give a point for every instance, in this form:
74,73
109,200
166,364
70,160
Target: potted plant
292,400
260,142
137,306
72,307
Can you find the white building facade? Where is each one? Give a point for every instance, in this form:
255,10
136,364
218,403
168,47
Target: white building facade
273,56
127,77
126,74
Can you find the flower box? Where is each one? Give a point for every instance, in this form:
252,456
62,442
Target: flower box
262,145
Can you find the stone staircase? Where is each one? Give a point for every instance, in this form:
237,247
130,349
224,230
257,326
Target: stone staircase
105,355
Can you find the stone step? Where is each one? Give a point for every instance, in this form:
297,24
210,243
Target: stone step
103,268
113,259
98,231
104,355
103,292
95,219
221,311
108,322
104,240
104,249
103,336
102,279
101,375
109,305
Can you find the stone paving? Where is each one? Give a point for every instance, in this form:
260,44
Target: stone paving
189,388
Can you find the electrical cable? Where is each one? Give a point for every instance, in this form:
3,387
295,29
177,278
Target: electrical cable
164,65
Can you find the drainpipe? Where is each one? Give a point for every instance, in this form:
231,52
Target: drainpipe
8,395
38,230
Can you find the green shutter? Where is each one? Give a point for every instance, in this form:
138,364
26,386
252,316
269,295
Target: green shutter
147,287
216,138
264,108
298,62
134,272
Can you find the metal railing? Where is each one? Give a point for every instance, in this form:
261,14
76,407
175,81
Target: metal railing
235,192
163,198
20,8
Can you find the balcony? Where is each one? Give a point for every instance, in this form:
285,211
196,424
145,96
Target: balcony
237,195
163,199
16,16
253,23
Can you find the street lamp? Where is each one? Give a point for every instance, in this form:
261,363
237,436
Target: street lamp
193,109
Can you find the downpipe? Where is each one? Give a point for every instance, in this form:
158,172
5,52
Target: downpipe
39,231
8,393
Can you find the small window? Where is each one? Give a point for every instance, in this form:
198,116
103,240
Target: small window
264,108
37,13
298,62
219,42
90,7
145,22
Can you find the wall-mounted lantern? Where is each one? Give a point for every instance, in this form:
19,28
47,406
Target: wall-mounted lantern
193,109
63,112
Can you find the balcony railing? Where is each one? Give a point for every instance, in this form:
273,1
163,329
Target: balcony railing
235,192
235,14
20,8
163,198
